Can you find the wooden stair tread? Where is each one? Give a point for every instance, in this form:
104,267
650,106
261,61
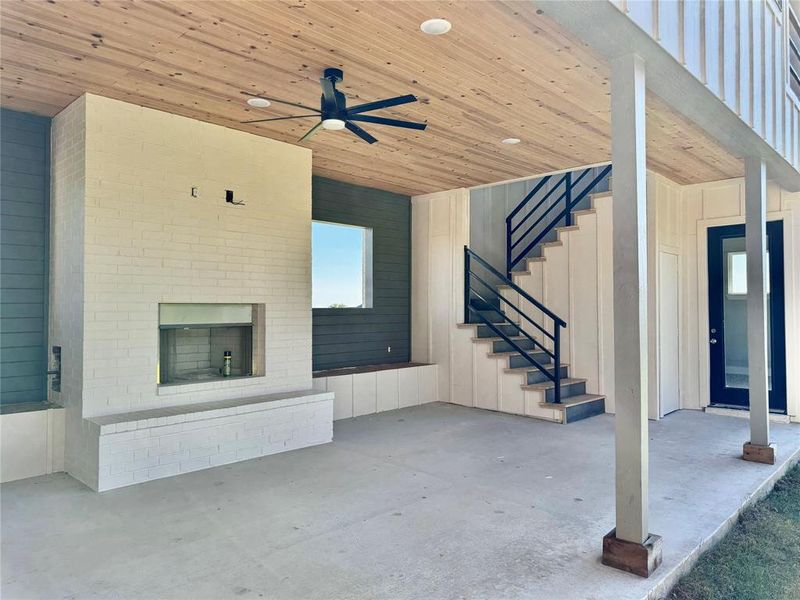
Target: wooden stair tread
547,385
548,367
504,324
585,211
572,401
514,338
507,352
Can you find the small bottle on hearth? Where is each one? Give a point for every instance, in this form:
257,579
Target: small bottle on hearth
226,364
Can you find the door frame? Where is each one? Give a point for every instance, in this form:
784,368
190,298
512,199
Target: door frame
778,398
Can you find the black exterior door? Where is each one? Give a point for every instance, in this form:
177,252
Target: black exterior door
727,302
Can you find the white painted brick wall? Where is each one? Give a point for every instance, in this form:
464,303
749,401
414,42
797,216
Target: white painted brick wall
127,235
160,443
66,283
148,241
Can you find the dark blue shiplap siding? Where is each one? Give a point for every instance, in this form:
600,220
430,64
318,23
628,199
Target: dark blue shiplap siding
24,207
354,337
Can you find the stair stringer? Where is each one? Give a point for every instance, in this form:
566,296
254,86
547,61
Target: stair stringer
576,285
495,388
574,278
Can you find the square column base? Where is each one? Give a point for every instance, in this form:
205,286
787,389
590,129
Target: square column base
760,454
639,559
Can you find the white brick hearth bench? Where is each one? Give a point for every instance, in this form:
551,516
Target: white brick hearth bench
151,444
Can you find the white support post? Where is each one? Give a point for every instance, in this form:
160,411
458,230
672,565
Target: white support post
630,546
758,449
630,294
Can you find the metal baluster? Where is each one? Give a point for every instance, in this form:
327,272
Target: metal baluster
466,283
568,200
508,248
557,361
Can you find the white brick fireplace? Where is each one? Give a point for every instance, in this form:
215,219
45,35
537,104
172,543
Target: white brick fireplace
127,236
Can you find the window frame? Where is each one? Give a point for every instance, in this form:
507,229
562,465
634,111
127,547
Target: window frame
729,275
367,253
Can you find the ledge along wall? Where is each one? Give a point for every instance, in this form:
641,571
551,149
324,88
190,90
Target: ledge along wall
355,336
24,204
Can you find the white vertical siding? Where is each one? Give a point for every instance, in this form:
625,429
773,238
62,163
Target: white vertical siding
693,37
757,24
730,51
712,46
738,49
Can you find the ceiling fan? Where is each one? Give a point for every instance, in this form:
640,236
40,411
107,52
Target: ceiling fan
334,114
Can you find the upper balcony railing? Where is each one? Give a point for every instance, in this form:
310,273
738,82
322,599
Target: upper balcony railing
746,51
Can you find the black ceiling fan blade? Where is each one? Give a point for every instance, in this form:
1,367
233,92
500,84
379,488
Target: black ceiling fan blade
384,121
382,104
280,101
311,132
360,132
328,91
282,118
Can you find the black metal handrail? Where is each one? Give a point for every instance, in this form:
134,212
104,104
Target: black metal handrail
531,194
569,184
471,293
567,200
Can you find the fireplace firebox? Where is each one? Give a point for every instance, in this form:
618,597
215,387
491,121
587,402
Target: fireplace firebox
205,342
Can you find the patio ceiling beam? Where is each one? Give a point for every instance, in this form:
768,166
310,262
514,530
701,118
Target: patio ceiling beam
758,449
630,546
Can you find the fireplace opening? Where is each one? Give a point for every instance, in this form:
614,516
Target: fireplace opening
205,342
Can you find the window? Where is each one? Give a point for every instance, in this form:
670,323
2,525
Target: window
341,266
737,273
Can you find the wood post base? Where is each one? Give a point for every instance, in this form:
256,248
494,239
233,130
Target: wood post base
761,454
639,559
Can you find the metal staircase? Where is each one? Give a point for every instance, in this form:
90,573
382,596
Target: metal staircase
519,327
532,348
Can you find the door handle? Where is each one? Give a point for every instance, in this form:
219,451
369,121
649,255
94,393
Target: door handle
712,341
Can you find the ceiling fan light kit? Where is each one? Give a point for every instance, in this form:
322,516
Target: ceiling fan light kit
333,124
334,115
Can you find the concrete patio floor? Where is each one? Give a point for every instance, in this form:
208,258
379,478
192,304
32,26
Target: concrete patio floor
435,501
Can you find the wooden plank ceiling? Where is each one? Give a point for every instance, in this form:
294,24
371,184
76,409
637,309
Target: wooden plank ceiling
503,71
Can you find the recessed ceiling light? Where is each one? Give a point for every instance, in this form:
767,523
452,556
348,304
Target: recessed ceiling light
511,141
333,124
436,26
258,102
